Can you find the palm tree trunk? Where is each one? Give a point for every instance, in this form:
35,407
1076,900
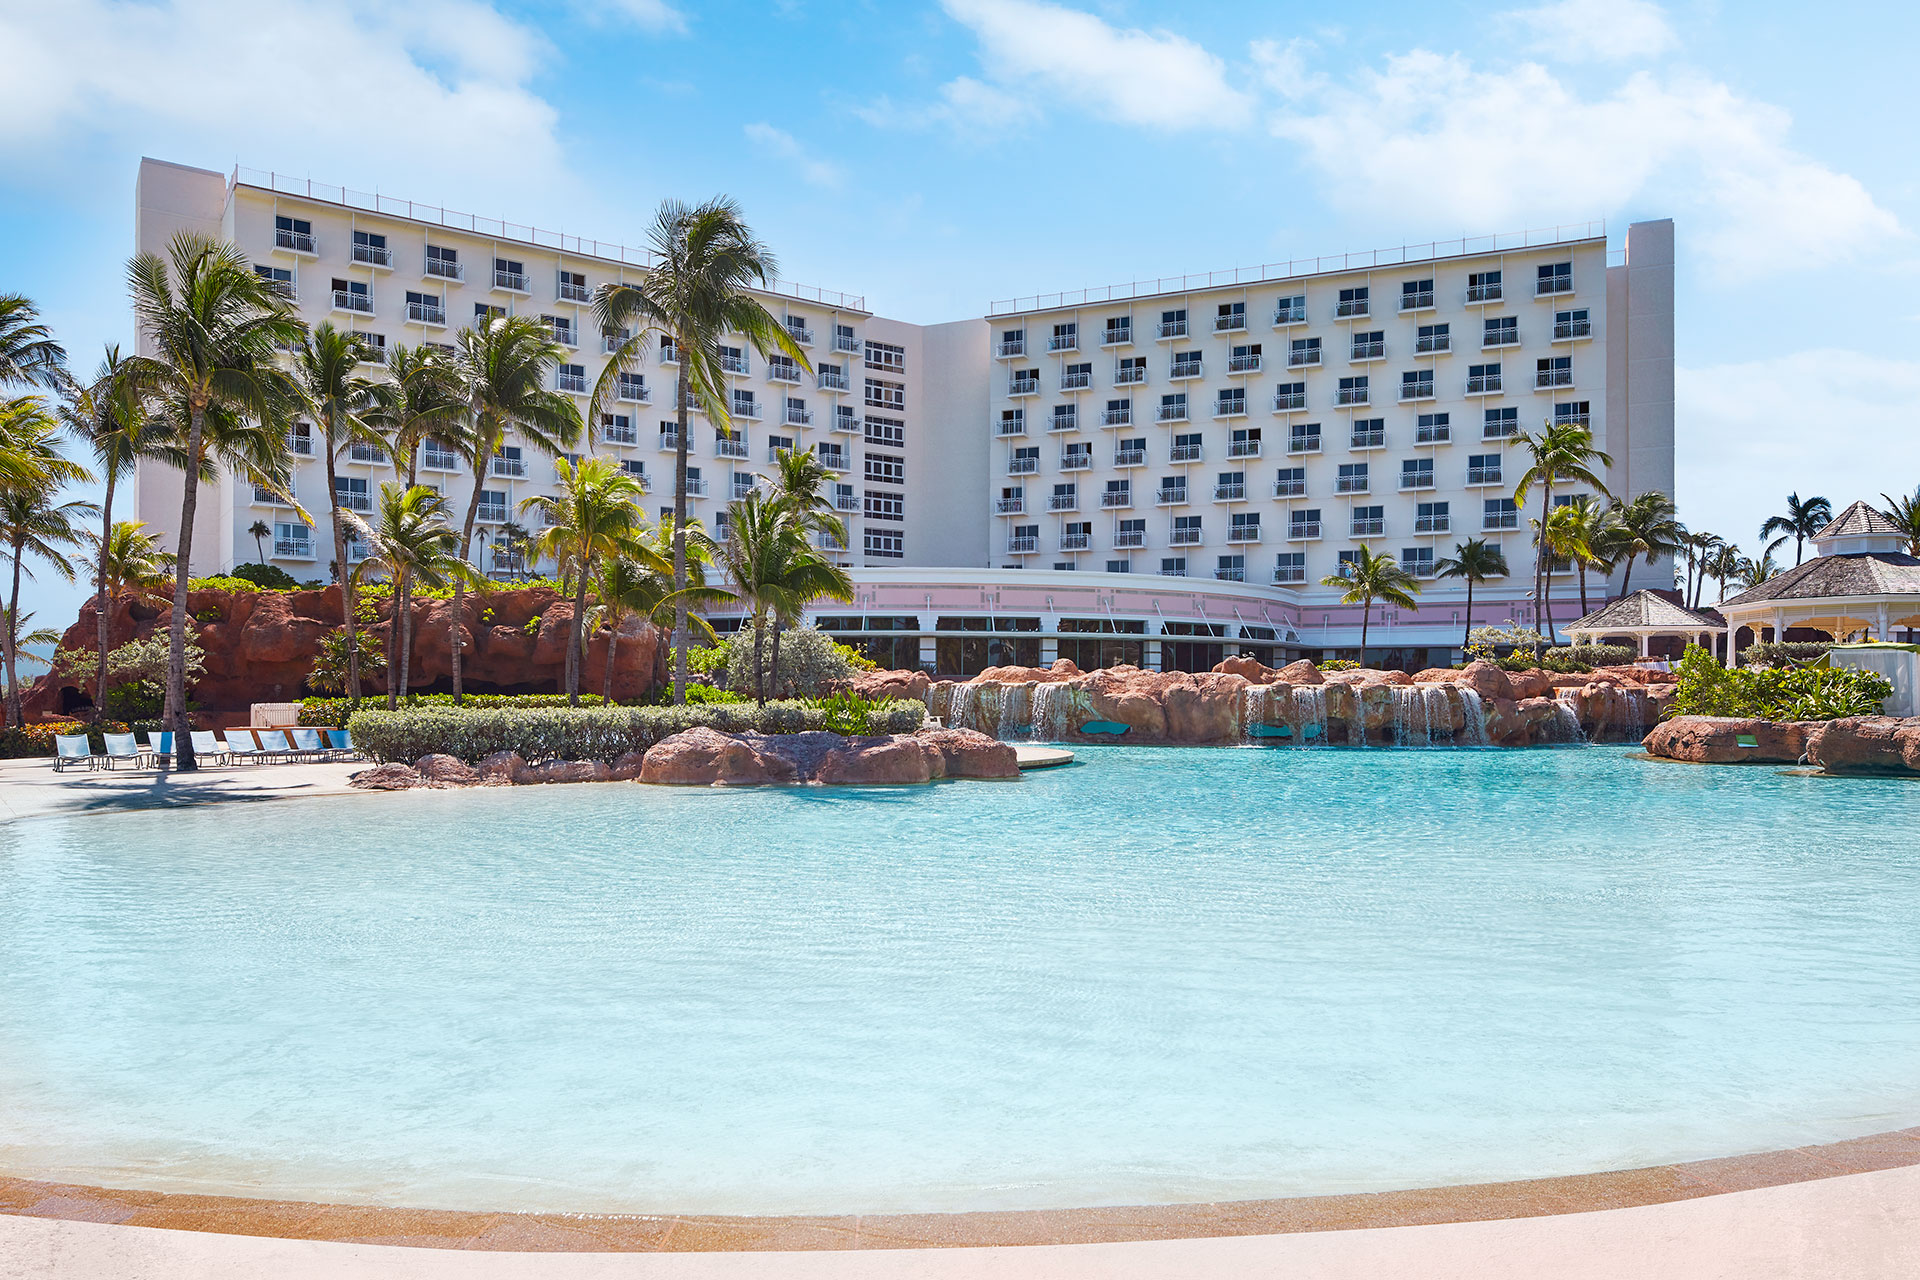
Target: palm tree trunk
100,598
579,631
1542,580
1582,566
406,632
759,671
774,678
613,648
466,553
346,584
11,640
680,530
176,699
1466,636
1366,617
393,653
1797,548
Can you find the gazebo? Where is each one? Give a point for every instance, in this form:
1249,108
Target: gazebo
1641,617
1860,582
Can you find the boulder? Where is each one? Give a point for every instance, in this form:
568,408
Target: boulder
1204,709
1061,670
1250,669
1436,675
1129,696
706,757
1300,671
1715,740
550,771
388,777
497,770
1530,684
1489,681
877,686
1866,744
967,754
881,761
627,767
447,769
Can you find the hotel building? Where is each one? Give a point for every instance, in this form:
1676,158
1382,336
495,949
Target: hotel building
1159,472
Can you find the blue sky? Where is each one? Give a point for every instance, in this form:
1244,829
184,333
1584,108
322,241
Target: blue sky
935,157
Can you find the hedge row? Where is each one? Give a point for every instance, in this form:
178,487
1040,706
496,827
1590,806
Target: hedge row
597,733
332,713
1782,654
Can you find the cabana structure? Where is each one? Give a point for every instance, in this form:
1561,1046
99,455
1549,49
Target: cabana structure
1643,617
1860,584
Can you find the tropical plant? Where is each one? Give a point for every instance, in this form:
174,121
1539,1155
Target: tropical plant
28,354
811,662
1473,561
1784,653
799,482
1700,548
1368,577
1750,573
258,531
418,401
33,521
409,539
638,584
1905,512
773,569
1723,565
1800,521
215,329
847,714
593,518
707,263
1643,526
499,374
1559,451
1579,533
1706,688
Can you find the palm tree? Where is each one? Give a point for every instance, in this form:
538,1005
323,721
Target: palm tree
1558,451
1751,573
32,521
112,415
1579,531
419,401
215,329
28,354
408,541
1700,551
637,584
126,559
1643,526
258,530
1723,564
798,483
707,259
591,519
1368,577
772,569
1905,512
500,374
1800,521
1475,560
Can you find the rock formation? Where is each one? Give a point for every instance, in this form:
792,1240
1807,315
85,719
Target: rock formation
1716,740
1867,744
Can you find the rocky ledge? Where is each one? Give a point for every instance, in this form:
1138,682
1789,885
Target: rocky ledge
1856,745
706,757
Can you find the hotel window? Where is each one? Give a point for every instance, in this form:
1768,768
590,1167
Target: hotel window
1066,497
1417,561
744,404
1483,468
1173,408
1230,316
292,540
1187,447
1555,371
1433,339
352,295
1075,377
1432,518
1290,482
782,369
1352,391
884,355
1554,277
1368,433
890,395
1119,493
1119,329
1231,568
1483,286
263,496
1573,413
1482,378
1013,422
635,468
1131,533
293,233
1066,417
1416,473
1230,403
1291,309
1173,566
1369,522
1243,525
1119,566
1077,455
1013,342
443,262
886,543
1417,385
375,345
351,494
1173,489
888,432
1290,566
1289,396
1304,523
844,339
1568,325
1303,437
1066,337
1501,513
885,506
1500,424
1416,295
1352,478
776,445
281,278
573,286
617,428
1173,324
883,469
1501,331
509,274
300,440
371,247
570,377
563,330
1130,370
1370,344
1186,364
1187,530
1353,303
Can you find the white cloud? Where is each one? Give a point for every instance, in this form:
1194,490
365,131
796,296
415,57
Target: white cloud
1490,149
1152,78
654,15
1750,431
1283,67
969,107
422,98
1594,30
777,142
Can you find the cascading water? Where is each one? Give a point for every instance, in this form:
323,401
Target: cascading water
1052,711
1421,714
1016,704
1474,731
1632,705
1310,715
1565,726
1256,701
963,708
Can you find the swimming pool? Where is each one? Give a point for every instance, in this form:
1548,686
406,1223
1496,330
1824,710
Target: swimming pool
1160,975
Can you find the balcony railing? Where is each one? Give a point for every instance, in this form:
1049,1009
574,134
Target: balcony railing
1023,466
1303,530
783,371
1113,498
846,502
1024,544
1184,369
1433,344
1368,351
846,343
1231,573
1483,475
1064,422
1236,492
748,409
845,423
1289,488
1500,520
1130,457
831,379
300,446
513,281
696,487
1353,309
1173,571
570,292
445,270
1063,502
1368,438
1351,484
1234,407
1076,381
367,453
834,459
301,550
1243,533
797,416
1416,480
801,334
1303,444
1171,497
361,502
1064,342
1185,453
298,241
1173,328
1010,506
1286,315
426,313
642,479
1288,573
1171,413
1243,448
628,434
1415,391
438,460
574,382
1352,395
635,392
1116,418
1117,337
669,441
1130,538
1130,377
1024,386
1567,330
730,449
1010,347
1230,323
1243,364
1370,528
511,468
1550,286
1486,385
373,254
1308,359
1011,427
1433,435
1421,301
344,300
1546,379
1482,293
1184,538
1433,524
1074,541
1289,401
1079,461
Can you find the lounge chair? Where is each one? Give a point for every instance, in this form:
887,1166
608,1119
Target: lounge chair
274,745
71,750
241,746
343,744
310,744
207,747
122,747
160,749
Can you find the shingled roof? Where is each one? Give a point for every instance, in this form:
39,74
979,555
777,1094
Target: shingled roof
1859,520
1871,573
1646,610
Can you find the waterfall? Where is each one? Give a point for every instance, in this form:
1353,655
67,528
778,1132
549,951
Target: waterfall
1474,731
1633,705
1310,715
1052,711
1566,721
961,710
1255,703
1015,699
1405,699
1420,714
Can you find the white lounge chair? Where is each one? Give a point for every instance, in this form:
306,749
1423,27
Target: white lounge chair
71,749
160,749
122,748
207,747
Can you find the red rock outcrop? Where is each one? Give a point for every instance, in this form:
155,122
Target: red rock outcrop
1866,744
877,686
1250,669
881,761
706,757
966,753
1715,740
1300,671
388,777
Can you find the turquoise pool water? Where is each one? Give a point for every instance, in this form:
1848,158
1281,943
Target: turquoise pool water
1158,975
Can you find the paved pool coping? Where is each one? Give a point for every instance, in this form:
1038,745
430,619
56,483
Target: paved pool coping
683,1233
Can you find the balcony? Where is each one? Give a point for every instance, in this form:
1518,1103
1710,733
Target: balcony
1010,506
1434,344
1011,427
642,479
1495,340
1243,533
1285,574
1173,329
1023,466
734,363
1234,492
491,513
1433,435
1231,573
1234,407
574,382
830,379
1289,401
1184,370
1500,430
736,449
445,270
846,502
1307,359
1362,352
1233,322
1010,347
1480,294
1185,453
1352,484
1303,444
1485,385
1415,480
1078,461
696,487
1184,538
783,371
1483,475
1289,488
1171,413
1063,502
570,292
1176,572
509,468
1075,541
800,333
300,446
1500,520
1064,342
1285,314
1171,497
1130,538
1116,418
845,423
669,441
1572,330
1412,391
1076,381
1352,396
1352,309
427,313
359,303
846,343
1243,448
373,255
797,416
1130,457
618,434
294,241
1117,337
1433,524
372,453
1114,499
834,459
291,550
1303,530
743,488
1130,377
1553,286
633,392
1369,528
1419,301
1063,422
1024,386
512,281
439,459
1551,379
1367,438
1243,364
1023,544
748,409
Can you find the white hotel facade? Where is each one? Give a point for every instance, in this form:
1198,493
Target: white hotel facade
1160,472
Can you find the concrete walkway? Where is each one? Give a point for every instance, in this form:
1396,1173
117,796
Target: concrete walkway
31,789
1862,1226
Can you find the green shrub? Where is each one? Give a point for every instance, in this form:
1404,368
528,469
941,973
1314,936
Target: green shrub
1336,664
847,714
268,577
1500,644
810,660
1570,658
225,583
1774,693
1789,653
597,733
332,713
37,739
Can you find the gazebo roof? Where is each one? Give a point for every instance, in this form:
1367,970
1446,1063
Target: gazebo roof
1859,520
1646,610
1871,573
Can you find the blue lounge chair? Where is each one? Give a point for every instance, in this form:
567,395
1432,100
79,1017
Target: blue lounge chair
274,746
241,746
343,743
310,744
160,749
122,748
207,747
71,749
